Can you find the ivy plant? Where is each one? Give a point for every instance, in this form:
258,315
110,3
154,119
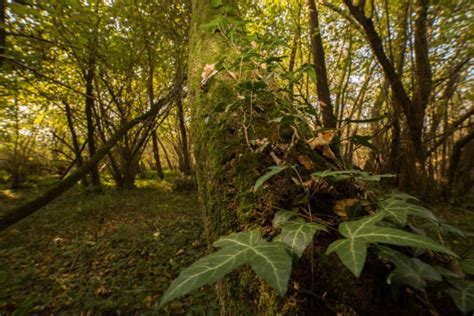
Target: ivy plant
271,260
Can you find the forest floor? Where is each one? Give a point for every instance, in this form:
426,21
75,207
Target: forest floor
118,251
110,253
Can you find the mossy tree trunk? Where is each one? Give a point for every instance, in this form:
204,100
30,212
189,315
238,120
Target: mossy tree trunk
225,169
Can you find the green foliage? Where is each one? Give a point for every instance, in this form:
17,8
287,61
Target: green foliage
297,233
462,294
468,266
361,233
269,260
397,211
408,271
363,141
274,170
340,175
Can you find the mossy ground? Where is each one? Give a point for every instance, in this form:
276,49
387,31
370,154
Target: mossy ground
110,253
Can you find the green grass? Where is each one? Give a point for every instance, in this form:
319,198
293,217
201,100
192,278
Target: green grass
110,253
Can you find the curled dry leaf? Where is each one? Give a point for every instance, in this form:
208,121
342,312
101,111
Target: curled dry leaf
327,152
341,205
309,183
306,162
208,71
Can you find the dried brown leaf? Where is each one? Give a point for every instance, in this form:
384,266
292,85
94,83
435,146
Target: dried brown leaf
323,138
207,73
306,162
327,152
341,205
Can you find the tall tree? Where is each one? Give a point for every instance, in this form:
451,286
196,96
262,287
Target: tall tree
319,59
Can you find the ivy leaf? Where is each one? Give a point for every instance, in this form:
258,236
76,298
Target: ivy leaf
270,260
398,210
462,295
468,266
402,196
274,170
363,141
409,271
298,234
282,216
352,251
340,175
447,273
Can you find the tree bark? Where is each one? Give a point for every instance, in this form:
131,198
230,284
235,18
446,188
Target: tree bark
75,141
219,150
184,138
456,155
317,49
3,33
14,215
156,155
167,157
89,77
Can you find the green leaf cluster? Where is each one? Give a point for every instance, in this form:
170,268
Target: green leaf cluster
271,260
361,233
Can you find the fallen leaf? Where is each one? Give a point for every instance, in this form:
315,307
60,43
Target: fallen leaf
309,183
179,252
323,138
147,300
232,74
208,71
341,205
306,162
101,290
327,152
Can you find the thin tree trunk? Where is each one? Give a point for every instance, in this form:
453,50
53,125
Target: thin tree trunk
291,65
168,161
456,155
156,155
3,33
317,49
94,172
184,138
75,141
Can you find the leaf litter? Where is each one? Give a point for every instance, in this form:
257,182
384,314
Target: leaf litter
113,253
